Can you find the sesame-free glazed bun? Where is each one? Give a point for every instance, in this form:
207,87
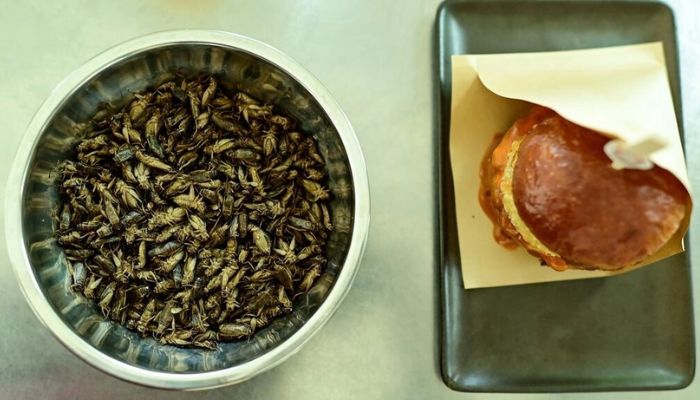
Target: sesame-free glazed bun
548,186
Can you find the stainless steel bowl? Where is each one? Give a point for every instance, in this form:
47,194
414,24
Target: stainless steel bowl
111,77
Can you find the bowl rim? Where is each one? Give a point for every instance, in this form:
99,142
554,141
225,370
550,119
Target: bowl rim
20,168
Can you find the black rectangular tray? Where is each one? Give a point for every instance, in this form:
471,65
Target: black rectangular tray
630,332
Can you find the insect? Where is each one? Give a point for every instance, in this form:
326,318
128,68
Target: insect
284,276
111,212
315,189
141,173
206,340
166,233
261,240
218,235
130,134
165,317
65,217
141,255
165,286
79,274
151,130
301,224
176,186
165,249
106,297
199,227
202,120
179,338
212,266
309,278
68,238
92,285
169,216
151,161
190,201
225,124
209,91
234,330
137,108
188,270
129,196
169,263
123,155
221,146
146,316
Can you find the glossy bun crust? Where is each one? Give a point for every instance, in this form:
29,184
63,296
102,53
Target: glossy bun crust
552,189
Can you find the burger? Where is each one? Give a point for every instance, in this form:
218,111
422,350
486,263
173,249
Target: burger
548,186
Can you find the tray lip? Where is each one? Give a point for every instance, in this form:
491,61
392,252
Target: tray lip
439,69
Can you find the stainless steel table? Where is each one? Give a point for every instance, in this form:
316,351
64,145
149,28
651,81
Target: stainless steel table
375,57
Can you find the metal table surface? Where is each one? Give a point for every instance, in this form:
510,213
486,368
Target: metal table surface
375,57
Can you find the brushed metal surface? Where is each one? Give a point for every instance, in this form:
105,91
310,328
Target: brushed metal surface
375,56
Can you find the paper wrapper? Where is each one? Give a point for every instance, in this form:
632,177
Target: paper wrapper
622,92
